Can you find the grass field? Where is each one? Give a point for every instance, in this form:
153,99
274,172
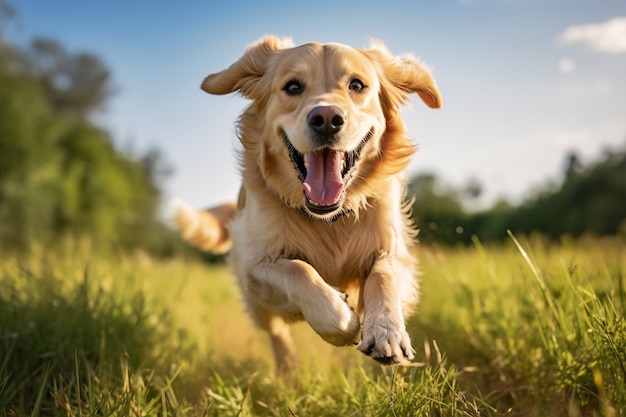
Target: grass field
528,328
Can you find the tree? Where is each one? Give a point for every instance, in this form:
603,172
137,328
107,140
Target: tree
28,160
59,173
75,84
573,166
437,209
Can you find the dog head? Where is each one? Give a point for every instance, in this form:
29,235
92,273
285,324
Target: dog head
323,130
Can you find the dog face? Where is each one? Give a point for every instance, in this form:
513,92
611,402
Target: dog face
322,130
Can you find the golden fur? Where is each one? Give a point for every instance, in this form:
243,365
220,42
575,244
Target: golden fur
321,232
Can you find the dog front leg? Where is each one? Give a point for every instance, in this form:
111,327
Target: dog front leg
384,336
294,289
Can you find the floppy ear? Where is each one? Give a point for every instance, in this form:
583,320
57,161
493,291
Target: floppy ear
403,75
244,74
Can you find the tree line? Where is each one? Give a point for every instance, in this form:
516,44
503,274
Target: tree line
591,200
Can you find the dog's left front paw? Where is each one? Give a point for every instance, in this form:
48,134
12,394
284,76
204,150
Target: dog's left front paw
386,343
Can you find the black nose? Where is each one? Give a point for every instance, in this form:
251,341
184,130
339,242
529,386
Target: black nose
326,120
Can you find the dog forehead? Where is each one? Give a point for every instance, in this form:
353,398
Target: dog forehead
341,59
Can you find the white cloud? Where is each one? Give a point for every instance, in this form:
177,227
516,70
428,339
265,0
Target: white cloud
566,65
608,36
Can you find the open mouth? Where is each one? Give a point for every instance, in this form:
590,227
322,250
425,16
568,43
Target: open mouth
324,174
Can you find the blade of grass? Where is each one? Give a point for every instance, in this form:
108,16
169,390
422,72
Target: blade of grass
42,388
538,277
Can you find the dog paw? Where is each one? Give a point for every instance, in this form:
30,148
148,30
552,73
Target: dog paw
336,323
386,343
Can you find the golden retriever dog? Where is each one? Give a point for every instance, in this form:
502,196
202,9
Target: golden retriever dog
321,231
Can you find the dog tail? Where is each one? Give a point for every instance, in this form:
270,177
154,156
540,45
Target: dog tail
209,229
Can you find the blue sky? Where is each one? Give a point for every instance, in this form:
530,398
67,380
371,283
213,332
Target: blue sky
523,81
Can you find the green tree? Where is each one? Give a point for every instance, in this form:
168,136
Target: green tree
75,84
59,173
28,159
437,209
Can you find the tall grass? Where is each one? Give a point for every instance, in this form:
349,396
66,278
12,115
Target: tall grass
527,328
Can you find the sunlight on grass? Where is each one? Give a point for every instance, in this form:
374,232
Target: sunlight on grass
527,328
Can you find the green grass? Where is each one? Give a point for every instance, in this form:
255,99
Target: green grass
529,328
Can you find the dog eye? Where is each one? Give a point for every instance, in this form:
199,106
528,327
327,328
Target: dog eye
356,85
294,87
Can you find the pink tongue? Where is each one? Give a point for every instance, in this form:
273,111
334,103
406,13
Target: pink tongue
323,183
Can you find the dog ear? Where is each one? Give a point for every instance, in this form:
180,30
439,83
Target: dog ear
244,74
402,75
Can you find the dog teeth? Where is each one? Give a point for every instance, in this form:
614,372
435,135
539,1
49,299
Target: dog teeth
318,204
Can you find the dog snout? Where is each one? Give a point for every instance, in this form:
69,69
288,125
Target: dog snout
326,120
